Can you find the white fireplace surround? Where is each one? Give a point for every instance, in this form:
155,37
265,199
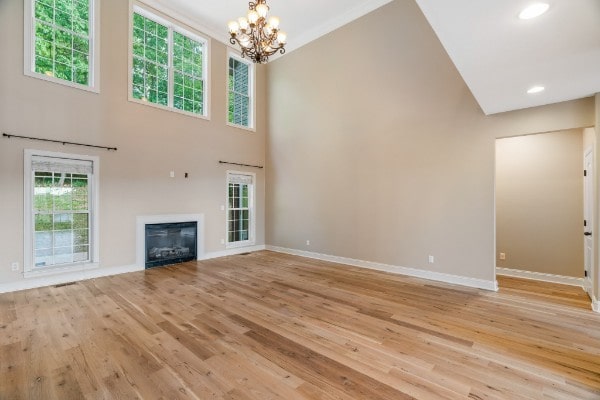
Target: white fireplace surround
143,220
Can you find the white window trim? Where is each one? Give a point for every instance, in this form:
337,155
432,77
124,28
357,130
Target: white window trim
252,86
29,49
29,271
251,206
184,29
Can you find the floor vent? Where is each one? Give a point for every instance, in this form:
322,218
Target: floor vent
244,254
65,284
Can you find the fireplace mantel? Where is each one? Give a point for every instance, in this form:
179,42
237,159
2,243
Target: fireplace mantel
143,220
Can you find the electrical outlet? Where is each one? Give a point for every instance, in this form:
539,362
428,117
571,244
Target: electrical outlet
172,174
222,241
14,266
503,256
431,259
308,242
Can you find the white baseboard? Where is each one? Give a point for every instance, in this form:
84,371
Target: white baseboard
414,272
67,277
81,275
539,276
595,304
587,286
231,252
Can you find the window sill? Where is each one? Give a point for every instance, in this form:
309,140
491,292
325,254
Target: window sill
242,127
40,272
236,245
62,82
170,109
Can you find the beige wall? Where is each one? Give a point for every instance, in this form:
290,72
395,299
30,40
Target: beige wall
378,151
539,203
135,179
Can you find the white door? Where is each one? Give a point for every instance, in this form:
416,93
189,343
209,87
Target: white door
588,193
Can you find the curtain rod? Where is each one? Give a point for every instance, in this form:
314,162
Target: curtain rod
6,135
241,165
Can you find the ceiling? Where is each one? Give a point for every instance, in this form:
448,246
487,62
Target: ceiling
498,55
302,20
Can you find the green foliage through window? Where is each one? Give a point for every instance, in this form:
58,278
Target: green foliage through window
150,61
61,218
187,74
153,45
239,92
62,39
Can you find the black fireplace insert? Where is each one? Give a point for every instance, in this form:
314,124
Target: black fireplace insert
170,243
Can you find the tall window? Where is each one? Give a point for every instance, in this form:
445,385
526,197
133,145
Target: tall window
168,65
61,210
59,37
240,92
240,208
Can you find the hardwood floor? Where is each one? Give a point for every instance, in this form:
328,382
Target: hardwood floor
273,326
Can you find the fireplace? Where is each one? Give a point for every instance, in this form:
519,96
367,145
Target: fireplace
170,243
169,239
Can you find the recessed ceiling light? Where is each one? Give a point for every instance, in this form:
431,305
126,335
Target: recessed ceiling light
534,10
536,89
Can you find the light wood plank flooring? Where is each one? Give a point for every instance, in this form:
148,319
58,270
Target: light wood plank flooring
273,326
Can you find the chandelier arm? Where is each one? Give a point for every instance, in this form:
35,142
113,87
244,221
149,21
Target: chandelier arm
255,36
260,41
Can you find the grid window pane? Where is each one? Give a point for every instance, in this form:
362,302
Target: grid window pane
188,55
61,218
239,92
62,41
167,66
150,61
238,215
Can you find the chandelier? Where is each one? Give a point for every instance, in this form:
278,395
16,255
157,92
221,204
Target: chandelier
257,37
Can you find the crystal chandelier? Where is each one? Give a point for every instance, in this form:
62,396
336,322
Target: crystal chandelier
257,37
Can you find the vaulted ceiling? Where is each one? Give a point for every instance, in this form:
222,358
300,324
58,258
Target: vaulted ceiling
498,55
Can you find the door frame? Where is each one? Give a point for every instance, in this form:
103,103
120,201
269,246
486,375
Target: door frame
588,204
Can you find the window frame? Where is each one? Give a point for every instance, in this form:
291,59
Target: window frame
94,52
172,25
251,88
29,269
251,208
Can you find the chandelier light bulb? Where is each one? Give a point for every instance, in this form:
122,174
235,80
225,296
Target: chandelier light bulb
244,40
257,36
243,22
262,10
233,26
281,37
252,17
274,22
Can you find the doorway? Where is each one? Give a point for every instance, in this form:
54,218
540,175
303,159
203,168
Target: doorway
540,207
